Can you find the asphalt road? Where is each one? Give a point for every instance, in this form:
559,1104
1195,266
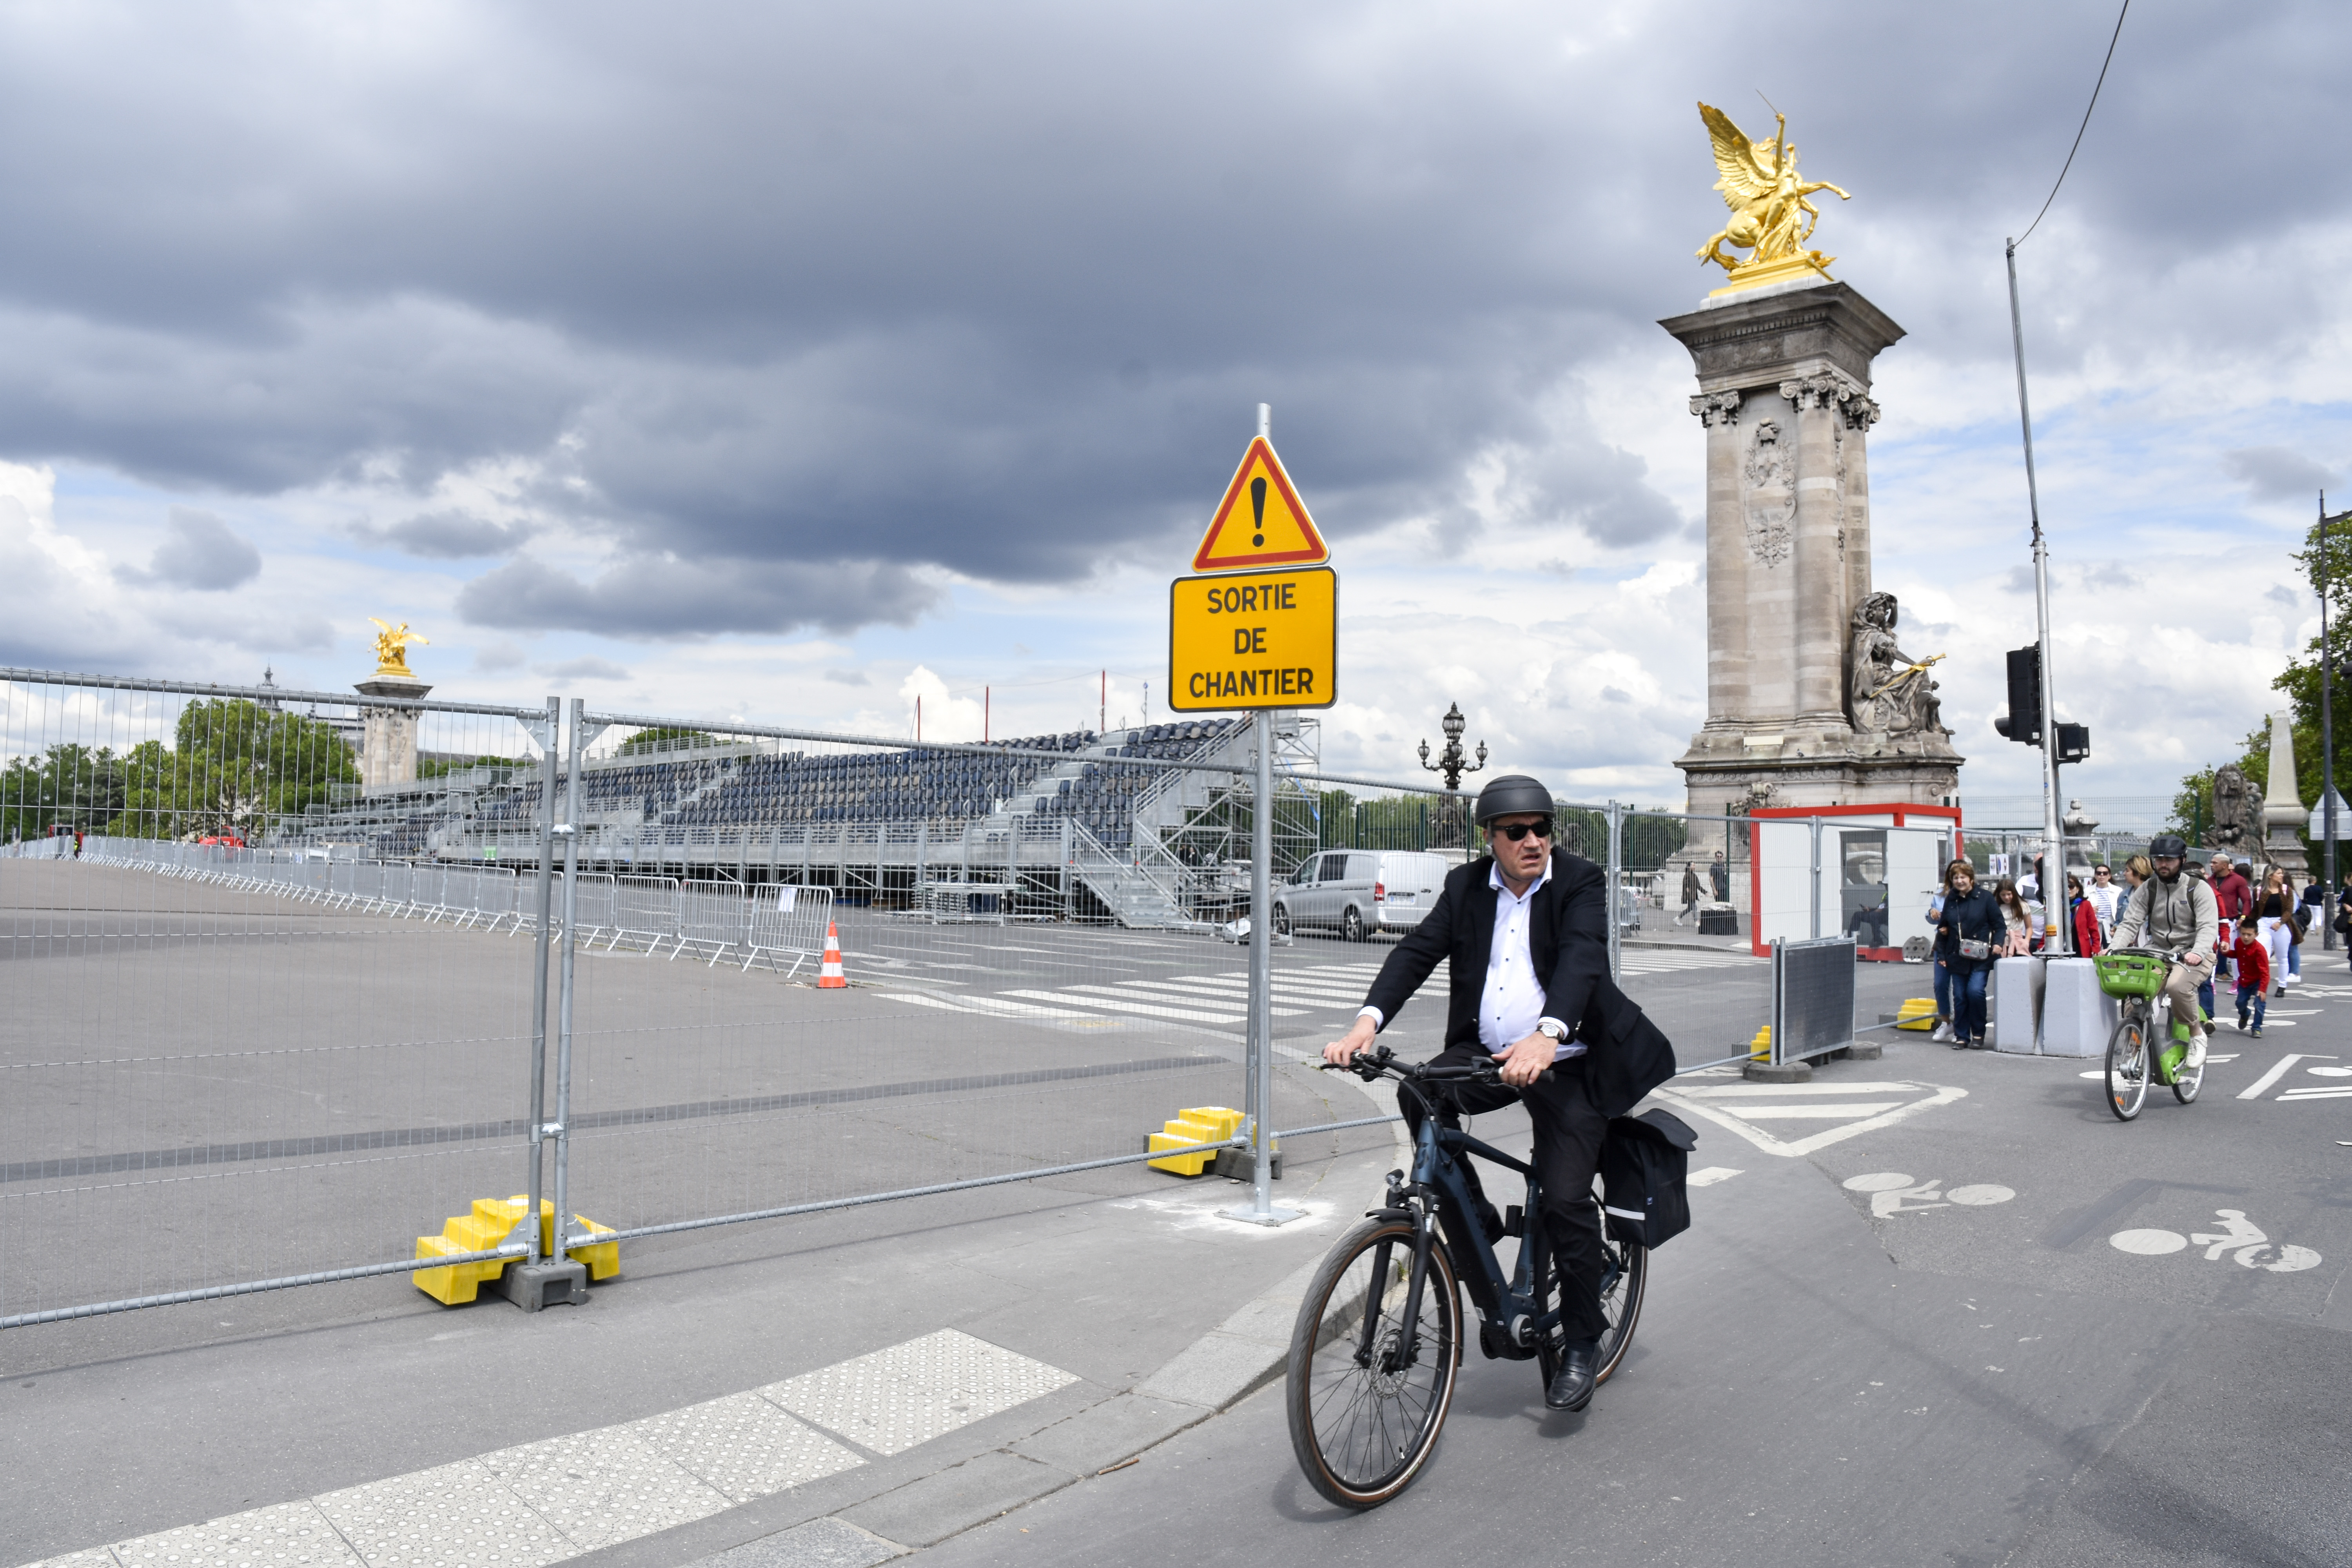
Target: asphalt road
2001,1329
1901,1330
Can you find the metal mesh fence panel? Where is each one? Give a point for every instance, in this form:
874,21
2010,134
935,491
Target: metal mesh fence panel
255,1029
994,1021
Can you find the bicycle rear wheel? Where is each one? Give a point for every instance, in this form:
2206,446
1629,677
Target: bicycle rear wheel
1364,1418
2127,1066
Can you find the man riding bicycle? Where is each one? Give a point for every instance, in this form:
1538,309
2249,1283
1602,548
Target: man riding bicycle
1526,929
2176,913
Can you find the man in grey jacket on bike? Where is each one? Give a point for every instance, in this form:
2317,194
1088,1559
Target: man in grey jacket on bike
2176,913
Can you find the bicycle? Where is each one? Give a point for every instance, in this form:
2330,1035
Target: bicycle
1370,1374
2135,976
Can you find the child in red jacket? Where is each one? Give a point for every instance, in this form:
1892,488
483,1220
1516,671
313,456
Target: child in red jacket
2254,976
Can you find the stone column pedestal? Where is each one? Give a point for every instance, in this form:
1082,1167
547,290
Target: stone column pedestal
1784,398
388,736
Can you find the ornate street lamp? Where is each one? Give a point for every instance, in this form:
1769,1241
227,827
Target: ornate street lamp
1451,763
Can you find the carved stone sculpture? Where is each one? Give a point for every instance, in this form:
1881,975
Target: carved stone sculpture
2232,827
1768,489
1886,689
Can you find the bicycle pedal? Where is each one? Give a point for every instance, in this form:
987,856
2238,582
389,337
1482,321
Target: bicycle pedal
1514,1221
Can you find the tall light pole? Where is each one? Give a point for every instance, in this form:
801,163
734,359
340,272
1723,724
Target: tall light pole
2326,736
2053,853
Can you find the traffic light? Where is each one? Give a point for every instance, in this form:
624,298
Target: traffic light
2023,722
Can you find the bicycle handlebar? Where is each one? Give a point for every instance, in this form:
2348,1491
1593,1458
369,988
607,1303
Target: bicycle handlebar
1380,1062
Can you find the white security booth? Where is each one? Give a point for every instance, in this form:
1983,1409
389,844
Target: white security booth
1863,871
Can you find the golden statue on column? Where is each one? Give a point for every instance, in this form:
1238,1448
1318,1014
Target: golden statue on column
1770,215
392,651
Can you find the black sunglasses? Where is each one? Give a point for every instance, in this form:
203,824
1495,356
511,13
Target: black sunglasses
1541,829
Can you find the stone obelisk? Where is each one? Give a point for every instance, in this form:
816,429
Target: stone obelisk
1809,699
2284,814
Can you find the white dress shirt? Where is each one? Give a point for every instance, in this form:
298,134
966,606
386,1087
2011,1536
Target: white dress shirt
1512,1004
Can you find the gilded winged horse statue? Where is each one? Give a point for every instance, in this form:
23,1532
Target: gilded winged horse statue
1770,213
392,648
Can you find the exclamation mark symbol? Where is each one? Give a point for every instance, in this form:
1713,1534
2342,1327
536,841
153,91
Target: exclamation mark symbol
1257,506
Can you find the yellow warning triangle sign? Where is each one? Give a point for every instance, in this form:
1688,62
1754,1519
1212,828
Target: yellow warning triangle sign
1261,521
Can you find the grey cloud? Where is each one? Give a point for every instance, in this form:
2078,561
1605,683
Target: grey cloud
668,598
2281,593
583,669
847,677
498,655
199,551
2275,473
997,291
445,536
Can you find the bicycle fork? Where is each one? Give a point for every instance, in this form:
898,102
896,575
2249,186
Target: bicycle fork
1408,1345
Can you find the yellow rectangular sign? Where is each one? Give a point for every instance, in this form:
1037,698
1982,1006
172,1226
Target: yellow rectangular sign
1254,639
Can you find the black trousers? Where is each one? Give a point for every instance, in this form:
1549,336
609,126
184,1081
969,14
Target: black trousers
1569,1134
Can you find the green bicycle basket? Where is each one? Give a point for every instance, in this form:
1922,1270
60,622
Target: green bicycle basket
2131,974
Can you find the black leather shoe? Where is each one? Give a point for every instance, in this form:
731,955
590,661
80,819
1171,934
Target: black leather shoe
1572,1388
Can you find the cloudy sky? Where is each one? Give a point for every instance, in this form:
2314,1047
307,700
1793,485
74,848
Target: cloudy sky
785,362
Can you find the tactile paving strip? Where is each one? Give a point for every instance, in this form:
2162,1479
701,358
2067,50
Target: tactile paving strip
602,1487
453,1516
743,1446
893,1399
283,1535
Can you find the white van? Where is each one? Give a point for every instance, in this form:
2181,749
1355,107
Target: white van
1358,891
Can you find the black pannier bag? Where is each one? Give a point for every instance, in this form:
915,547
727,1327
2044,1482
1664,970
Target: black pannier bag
1642,1166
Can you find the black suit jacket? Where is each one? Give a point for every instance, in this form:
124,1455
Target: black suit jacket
1567,938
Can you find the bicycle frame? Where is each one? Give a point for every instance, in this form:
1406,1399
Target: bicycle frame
1511,1306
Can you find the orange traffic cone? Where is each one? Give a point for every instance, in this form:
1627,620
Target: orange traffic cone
830,977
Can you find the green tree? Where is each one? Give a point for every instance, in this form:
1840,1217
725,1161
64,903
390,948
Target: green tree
2328,574
234,768
68,786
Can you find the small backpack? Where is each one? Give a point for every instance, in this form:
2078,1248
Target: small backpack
1642,1166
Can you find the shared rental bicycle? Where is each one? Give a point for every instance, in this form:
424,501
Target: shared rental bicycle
1378,1338
2135,977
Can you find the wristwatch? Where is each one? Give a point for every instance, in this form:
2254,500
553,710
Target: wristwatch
1553,1030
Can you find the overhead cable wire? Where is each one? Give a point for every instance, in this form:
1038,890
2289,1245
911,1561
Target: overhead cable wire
2084,126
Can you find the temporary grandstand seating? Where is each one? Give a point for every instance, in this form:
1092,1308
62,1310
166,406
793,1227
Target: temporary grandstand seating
1100,794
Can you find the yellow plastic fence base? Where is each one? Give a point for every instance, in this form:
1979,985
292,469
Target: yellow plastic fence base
1760,1049
1916,1013
1199,1124
490,1222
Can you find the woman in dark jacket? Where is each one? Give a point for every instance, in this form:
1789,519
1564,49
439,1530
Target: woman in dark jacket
1969,915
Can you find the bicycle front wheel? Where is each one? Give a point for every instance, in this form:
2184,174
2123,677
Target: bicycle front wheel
2187,1082
2127,1066
1366,1405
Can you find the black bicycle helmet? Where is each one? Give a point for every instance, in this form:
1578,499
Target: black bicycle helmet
1510,796
2167,844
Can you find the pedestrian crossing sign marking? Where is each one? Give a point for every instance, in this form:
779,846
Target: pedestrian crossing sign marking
1261,523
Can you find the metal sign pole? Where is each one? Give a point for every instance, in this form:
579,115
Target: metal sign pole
570,832
548,741
1259,1050
1616,891
1816,878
